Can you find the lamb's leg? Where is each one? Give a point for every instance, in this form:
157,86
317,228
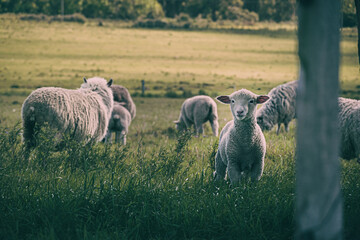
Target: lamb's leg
257,171
214,127
234,174
278,129
220,168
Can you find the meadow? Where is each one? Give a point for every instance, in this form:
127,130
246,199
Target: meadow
159,186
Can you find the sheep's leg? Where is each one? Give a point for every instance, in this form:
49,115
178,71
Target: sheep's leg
278,129
214,127
123,137
117,137
199,129
220,168
286,124
29,134
108,137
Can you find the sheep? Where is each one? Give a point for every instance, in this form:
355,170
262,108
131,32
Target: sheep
242,145
119,123
122,95
85,112
349,128
198,110
280,108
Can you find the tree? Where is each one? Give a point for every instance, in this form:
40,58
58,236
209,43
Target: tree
318,193
357,5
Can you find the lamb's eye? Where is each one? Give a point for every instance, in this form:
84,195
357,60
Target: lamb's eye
251,101
232,101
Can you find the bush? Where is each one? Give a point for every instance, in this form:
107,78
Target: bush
77,17
171,94
348,13
236,13
34,17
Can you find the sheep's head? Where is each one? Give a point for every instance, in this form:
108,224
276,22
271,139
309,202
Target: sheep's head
263,121
95,83
243,103
180,126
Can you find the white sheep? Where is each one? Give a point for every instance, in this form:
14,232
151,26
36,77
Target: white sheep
119,123
281,108
85,112
242,144
349,126
198,110
121,94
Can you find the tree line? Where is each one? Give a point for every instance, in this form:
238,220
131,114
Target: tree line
272,10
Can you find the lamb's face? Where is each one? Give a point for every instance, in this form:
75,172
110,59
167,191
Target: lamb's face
242,106
242,103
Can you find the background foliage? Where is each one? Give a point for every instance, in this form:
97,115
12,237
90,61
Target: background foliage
274,10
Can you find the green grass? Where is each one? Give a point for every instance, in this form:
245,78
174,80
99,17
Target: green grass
160,185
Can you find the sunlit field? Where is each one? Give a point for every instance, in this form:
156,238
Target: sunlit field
160,185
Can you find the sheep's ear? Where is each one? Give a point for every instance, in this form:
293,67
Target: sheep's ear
223,99
110,82
262,99
176,122
85,81
122,103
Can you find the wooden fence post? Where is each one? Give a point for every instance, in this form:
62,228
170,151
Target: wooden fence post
318,194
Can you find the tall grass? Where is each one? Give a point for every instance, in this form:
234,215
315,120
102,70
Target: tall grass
96,191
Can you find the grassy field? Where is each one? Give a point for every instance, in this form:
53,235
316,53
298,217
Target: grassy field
160,185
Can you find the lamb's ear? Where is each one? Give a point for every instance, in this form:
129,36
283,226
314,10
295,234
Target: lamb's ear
262,99
85,81
223,99
110,82
176,122
122,103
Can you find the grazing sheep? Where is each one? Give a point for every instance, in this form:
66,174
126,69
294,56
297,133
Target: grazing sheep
242,144
349,125
280,108
119,123
122,95
84,112
198,110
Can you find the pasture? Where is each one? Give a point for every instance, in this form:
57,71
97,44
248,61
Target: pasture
160,185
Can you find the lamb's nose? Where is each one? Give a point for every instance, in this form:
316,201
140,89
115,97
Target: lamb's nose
240,112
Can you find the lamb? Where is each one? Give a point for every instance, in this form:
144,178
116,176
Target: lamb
122,95
85,112
349,127
119,123
242,144
281,108
198,110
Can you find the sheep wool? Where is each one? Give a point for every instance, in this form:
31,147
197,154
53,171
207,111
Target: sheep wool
119,123
198,110
121,94
349,127
242,144
281,108
85,112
